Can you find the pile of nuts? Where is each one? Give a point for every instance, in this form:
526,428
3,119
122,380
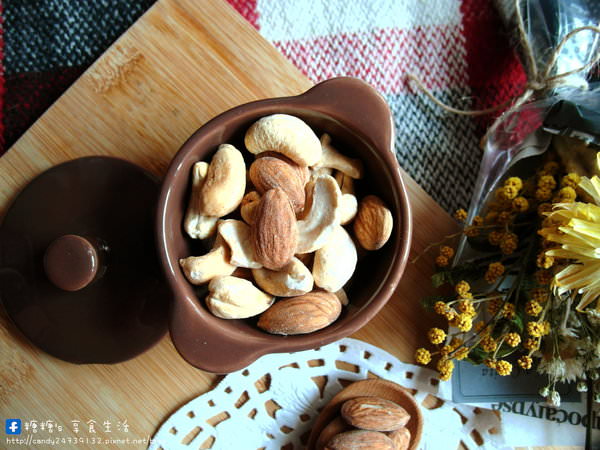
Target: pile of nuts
379,424
289,241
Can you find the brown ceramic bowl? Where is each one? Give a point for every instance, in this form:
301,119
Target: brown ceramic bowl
360,123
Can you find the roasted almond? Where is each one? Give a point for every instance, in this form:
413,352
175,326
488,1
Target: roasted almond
303,172
274,232
303,314
268,173
360,439
374,413
373,223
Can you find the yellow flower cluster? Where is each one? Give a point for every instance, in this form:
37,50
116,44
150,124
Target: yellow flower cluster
462,288
460,215
494,271
493,306
445,368
520,204
466,307
512,339
436,335
488,344
571,180
422,356
533,308
525,362
445,256
463,322
503,368
538,329
494,237
531,344
440,308
509,311
509,243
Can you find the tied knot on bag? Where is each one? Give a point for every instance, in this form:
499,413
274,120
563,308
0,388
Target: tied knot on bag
538,80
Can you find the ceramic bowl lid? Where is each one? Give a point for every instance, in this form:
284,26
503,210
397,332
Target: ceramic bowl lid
79,275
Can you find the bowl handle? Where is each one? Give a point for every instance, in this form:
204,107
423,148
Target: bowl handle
200,340
355,103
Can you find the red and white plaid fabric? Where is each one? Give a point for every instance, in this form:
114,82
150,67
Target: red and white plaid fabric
458,48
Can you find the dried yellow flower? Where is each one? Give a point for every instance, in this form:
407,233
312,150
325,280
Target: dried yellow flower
512,339
515,182
531,344
503,368
509,243
565,195
543,195
488,344
507,192
436,335
533,308
535,329
509,311
525,362
466,307
495,237
446,251
495,270
460,215
491,363
440,307
546,182
441,261
462,287
462,353
477,221
520,204
493,306
571,180
422,356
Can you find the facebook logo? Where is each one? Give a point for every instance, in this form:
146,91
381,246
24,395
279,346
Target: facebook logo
13,426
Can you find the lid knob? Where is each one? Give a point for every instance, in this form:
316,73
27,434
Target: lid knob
71,262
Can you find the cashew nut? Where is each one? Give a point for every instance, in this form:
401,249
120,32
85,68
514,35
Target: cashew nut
321,214
345,182
248,206
235,298
195,224
293,279
335,261
348,208
225,182
335,160
285,134
237,235
202,269
342,297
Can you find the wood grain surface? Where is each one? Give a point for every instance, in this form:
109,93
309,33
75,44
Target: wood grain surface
181,64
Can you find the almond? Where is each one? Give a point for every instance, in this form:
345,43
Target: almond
374,413
401,438
360,439
373,223
269,173
274,233
303,314
303,172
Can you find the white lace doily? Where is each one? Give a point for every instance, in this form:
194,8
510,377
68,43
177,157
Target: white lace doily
273,402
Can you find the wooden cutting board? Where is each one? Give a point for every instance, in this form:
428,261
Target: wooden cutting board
182,63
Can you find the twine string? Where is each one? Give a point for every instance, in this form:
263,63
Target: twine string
535,83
